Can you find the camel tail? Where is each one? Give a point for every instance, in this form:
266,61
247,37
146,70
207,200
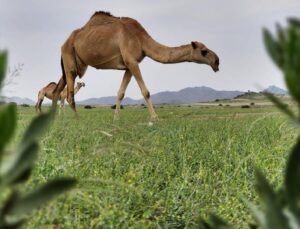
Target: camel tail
62,67
61,83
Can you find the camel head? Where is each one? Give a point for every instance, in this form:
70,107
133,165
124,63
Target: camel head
80,84
202,55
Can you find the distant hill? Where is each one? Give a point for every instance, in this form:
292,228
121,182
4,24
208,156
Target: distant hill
17,100
192,95
186,95
256,95
250,95
276,90
109,100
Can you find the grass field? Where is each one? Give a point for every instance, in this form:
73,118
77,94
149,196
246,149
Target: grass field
192,162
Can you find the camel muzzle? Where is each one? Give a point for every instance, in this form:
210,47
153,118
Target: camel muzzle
215,68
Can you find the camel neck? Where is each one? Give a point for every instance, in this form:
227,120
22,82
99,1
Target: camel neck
165,54
76,89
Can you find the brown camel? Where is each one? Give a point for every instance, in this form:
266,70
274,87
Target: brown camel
48,93
121,43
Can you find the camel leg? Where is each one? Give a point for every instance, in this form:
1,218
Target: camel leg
38,106
62,104
135,70
126,79
60,86
69,68
39,102
70,91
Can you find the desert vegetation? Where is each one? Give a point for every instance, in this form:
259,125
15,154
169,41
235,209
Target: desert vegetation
191,163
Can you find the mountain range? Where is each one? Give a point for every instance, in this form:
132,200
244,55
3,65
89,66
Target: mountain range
17,100
186,95
276,90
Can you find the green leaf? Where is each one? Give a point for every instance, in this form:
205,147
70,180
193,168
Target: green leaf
273,210
37,127
258,214
203,224
273,47
217,222
8,203
292,181
292,79
8,119
13,225
40,196
21,166
282,106
3,60
280,34
213,223
294,22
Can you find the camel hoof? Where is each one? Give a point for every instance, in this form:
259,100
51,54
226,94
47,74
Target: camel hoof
77,116
116,117
154,118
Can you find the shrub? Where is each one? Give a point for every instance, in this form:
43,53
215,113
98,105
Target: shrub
24,105
89,107
114,106
245,106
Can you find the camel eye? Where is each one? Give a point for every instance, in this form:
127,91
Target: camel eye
204,52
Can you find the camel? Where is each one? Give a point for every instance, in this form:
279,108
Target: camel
48,93
121,43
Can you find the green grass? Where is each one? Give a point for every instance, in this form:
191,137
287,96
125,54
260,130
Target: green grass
192,162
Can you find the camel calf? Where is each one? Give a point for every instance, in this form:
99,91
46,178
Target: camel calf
48,93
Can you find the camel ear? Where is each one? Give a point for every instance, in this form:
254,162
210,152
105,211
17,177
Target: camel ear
194,45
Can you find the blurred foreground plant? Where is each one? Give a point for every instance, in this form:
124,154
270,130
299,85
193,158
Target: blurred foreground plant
284,50
280,210
16,166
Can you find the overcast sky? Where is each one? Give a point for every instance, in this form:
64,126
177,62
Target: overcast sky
34,30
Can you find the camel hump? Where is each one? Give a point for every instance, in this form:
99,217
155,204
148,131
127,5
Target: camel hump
101,17
102,13
51,84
